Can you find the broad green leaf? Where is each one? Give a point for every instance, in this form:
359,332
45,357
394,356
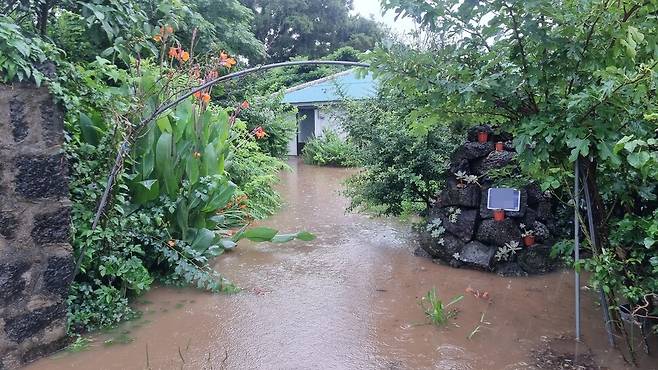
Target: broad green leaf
259,234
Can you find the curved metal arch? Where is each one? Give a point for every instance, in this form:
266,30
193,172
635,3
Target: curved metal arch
124,148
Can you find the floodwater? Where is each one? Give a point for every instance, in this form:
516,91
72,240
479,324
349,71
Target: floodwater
349,300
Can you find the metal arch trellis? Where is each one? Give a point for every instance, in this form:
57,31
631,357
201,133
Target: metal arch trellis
124,148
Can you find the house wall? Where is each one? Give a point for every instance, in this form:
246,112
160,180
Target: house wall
326,117
36,260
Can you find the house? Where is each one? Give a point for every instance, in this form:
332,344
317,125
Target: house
317,103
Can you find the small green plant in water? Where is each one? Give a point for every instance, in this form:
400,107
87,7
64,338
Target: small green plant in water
80,344
436,311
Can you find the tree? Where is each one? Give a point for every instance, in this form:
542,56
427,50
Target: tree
311,28
574,81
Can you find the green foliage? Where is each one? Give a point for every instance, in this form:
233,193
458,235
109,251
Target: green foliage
174,206
435,310
277,119
311,28
574,82
329,149
255,172
19,55
402,169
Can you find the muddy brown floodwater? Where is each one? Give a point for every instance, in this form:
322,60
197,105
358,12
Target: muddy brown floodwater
348,300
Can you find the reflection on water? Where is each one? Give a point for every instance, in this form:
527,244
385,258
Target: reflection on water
347,300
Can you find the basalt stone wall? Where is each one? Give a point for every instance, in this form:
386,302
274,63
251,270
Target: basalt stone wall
468,235
36,260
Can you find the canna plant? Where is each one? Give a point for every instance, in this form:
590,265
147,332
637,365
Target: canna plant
173,199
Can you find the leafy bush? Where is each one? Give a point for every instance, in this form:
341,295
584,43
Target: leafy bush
329,149
173,204
255,172
277,120
402,169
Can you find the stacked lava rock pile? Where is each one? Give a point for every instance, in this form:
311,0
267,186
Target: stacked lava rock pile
463,232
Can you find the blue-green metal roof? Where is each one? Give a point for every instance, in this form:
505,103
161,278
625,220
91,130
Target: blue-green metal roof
325,90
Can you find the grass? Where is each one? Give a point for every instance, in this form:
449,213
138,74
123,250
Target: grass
436,311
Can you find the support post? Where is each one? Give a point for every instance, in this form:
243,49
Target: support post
576,244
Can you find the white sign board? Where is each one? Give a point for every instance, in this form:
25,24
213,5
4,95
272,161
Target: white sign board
507,199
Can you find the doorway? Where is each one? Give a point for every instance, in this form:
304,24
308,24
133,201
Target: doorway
306,128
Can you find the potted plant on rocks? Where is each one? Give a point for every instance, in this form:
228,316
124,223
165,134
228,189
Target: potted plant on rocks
528,236
483,137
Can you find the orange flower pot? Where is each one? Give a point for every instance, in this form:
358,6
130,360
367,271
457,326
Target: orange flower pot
499,215
483,137
529,240
499,146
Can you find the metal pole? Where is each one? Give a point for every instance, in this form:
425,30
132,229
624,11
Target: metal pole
576,244
602,296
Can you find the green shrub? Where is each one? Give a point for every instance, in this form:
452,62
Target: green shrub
402,169
277,119
329,149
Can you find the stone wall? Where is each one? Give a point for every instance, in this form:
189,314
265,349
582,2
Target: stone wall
36,262
461,230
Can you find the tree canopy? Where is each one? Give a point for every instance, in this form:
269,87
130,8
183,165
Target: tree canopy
311,28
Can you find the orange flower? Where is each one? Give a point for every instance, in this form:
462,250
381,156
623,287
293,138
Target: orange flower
173,52
225,60
205,98
157,38
185,56
197,94
259,132
244,105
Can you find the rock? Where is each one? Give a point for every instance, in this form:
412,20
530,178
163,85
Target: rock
11,281
510,269
52,227
530,217
420,252
461,165
21,327
472,134
464,226
468,196
492,161
471,151
544,211
41,176
535,195
536,259
19,126
444,247
488,213
8,224
477,255
498,233
58,275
